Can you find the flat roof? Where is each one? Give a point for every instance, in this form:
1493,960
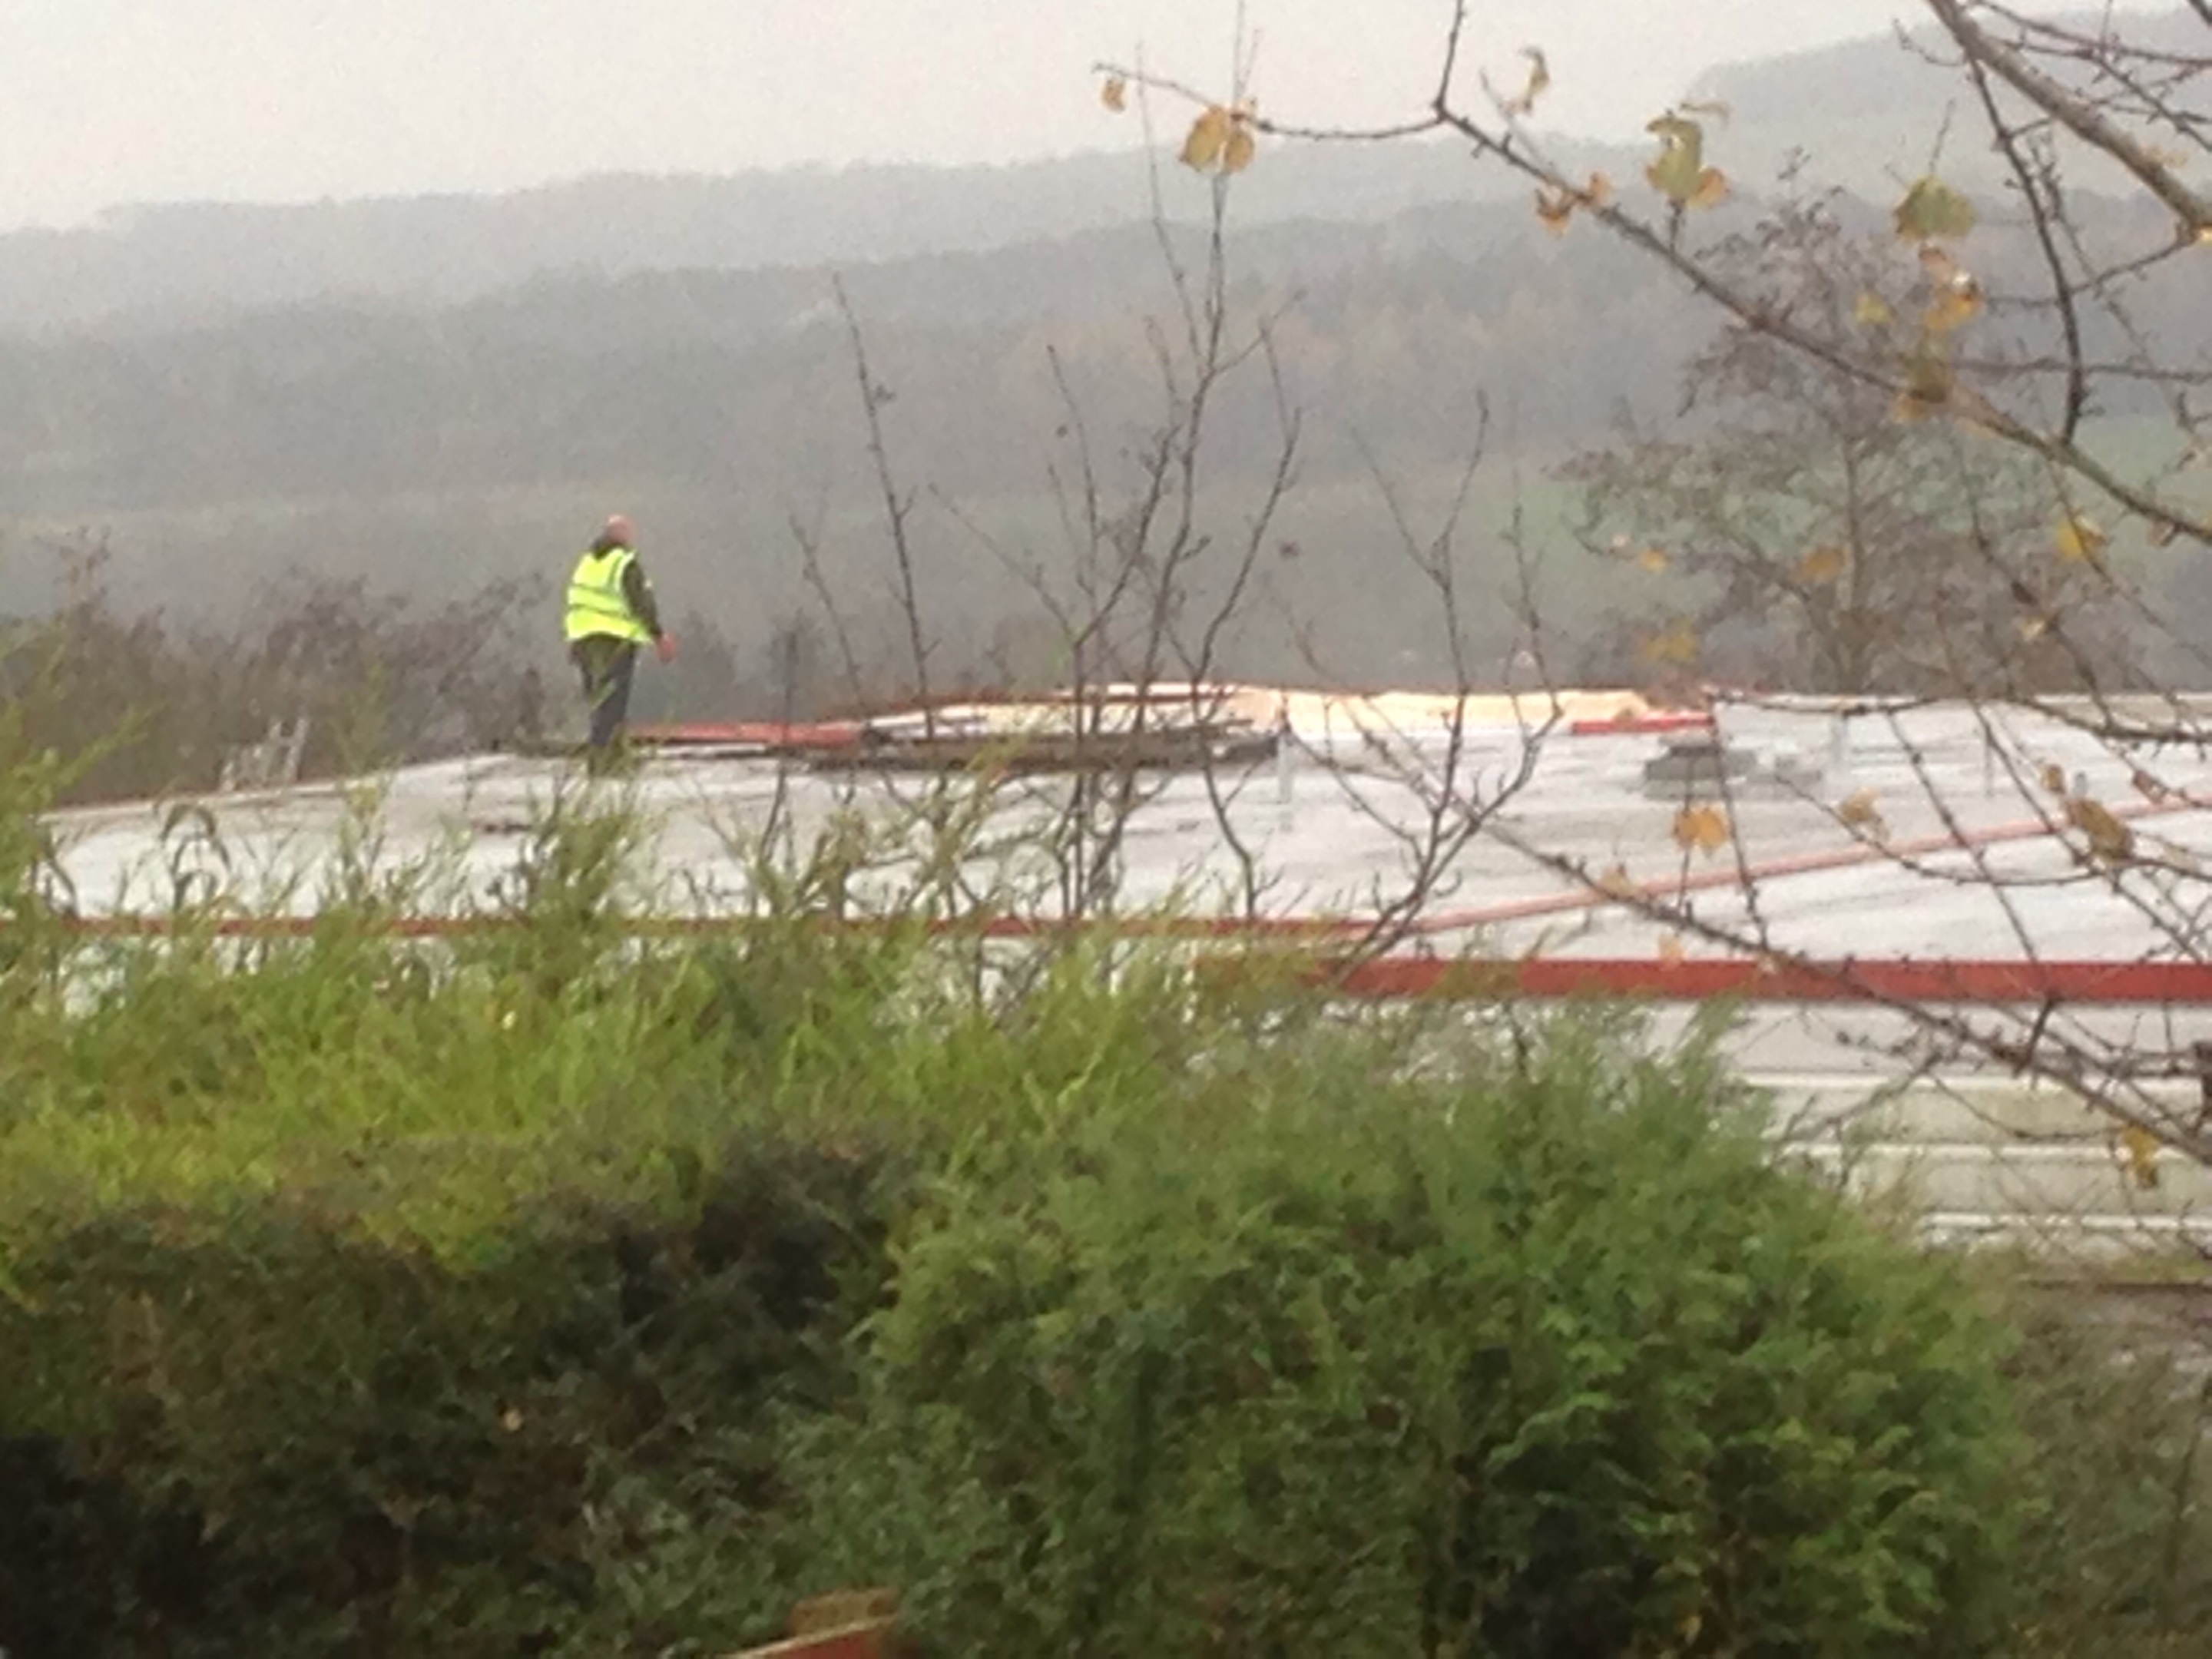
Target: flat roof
1333,825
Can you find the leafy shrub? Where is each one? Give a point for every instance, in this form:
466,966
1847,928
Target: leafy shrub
267,1435
1540,1363
560,1292
2116,1533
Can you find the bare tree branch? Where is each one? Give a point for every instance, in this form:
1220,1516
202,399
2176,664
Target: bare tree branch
897,505
2076,115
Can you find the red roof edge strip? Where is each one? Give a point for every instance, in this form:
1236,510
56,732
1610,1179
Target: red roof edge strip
1699,980
777,734
1631,725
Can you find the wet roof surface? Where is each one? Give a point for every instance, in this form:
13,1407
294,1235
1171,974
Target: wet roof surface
1329,825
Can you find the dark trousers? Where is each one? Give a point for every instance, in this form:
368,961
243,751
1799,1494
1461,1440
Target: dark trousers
608,665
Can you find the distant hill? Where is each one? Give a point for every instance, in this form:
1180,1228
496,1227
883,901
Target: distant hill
429,448
1866,114
157,267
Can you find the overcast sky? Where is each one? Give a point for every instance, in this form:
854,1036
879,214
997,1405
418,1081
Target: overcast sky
114,101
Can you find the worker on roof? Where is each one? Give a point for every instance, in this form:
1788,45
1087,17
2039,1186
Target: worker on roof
611,612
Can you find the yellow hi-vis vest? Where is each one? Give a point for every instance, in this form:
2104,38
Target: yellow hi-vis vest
595,603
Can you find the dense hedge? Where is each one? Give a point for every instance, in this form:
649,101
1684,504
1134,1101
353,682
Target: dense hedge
1542,1363
278,1438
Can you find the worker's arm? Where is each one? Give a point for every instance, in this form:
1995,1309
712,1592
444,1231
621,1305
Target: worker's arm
639,592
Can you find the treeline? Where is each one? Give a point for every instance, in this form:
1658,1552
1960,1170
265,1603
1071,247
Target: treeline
431,452
1387,335
741,378
185,262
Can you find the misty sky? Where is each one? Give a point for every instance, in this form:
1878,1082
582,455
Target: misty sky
114,101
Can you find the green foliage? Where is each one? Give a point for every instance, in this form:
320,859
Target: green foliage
280,1433
33,891
558,1291
1538,1362
2117,1518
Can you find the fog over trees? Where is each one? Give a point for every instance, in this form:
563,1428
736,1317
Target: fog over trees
434,395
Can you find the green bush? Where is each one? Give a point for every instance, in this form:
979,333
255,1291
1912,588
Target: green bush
2116,1545
264,1434
557,1292
1542,1362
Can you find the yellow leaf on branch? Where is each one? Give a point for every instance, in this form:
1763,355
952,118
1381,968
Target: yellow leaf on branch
1615,883
1208,138
1957,304
1114,94
1701,828
2109,841
2079,539
1540,78
1654,560
1928,382
1872,311
2141,1147
1862,810
1678,172
1556,203
1932,210
1236,155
